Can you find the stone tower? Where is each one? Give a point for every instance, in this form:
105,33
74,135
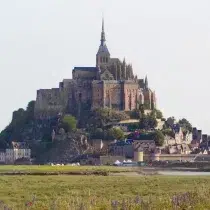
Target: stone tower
103,55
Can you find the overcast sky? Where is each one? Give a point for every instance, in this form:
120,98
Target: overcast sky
41,41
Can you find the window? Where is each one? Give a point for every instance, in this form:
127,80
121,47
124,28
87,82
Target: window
106,60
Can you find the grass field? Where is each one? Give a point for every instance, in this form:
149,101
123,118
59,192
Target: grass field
46,170
104,192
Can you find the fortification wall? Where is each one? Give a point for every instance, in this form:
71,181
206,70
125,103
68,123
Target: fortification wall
48,102
97,94
113,94
131,91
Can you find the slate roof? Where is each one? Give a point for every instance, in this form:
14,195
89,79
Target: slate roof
142,136
86,68
103,49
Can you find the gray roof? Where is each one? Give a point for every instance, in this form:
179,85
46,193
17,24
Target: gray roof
86,68
103,49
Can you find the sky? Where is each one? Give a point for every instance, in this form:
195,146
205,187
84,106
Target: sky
169,41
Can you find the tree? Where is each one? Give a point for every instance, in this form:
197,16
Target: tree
159,114
97,133
148,122
158,137
170,122
115,133
168,132
102,116
30,110
135,114
69,122
185,124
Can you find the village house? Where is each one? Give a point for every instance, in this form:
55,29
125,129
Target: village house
179,149
121,148
147,146
179,136
188,137
17,151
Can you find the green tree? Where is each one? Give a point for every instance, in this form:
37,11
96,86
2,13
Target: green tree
185,124
148,122
115,133
135,114
170,121
168,132
102,116
97,133
69,123
159,114
30,110
158,137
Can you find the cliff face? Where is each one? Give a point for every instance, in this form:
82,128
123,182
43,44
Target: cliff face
44,137
66,147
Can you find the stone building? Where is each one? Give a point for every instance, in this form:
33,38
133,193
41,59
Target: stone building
110,83
17,151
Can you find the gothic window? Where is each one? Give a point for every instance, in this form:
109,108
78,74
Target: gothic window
101,59
106,60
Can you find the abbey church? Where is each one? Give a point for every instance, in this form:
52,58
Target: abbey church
110,83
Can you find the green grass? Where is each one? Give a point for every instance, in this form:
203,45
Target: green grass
97,192
44,169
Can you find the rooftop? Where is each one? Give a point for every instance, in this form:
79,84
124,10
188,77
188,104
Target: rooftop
86,68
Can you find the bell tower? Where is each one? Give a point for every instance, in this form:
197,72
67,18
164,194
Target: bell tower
103,55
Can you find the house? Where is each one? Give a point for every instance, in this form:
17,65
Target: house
2,156
204,138
179,149
188,137
17,151
168,140
179,136
197,135
194,145
121,148
147,146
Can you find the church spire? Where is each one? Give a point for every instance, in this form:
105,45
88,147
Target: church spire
103,55
103,40
146,82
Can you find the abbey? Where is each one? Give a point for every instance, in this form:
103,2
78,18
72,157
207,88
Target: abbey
110,83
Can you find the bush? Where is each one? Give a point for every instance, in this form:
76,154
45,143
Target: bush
114,133
69,123
158,137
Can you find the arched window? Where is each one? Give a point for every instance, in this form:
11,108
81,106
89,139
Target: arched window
101,59
106,60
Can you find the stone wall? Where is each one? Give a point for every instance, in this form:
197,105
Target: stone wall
80,74
131,91
48,102
97,94
113,94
